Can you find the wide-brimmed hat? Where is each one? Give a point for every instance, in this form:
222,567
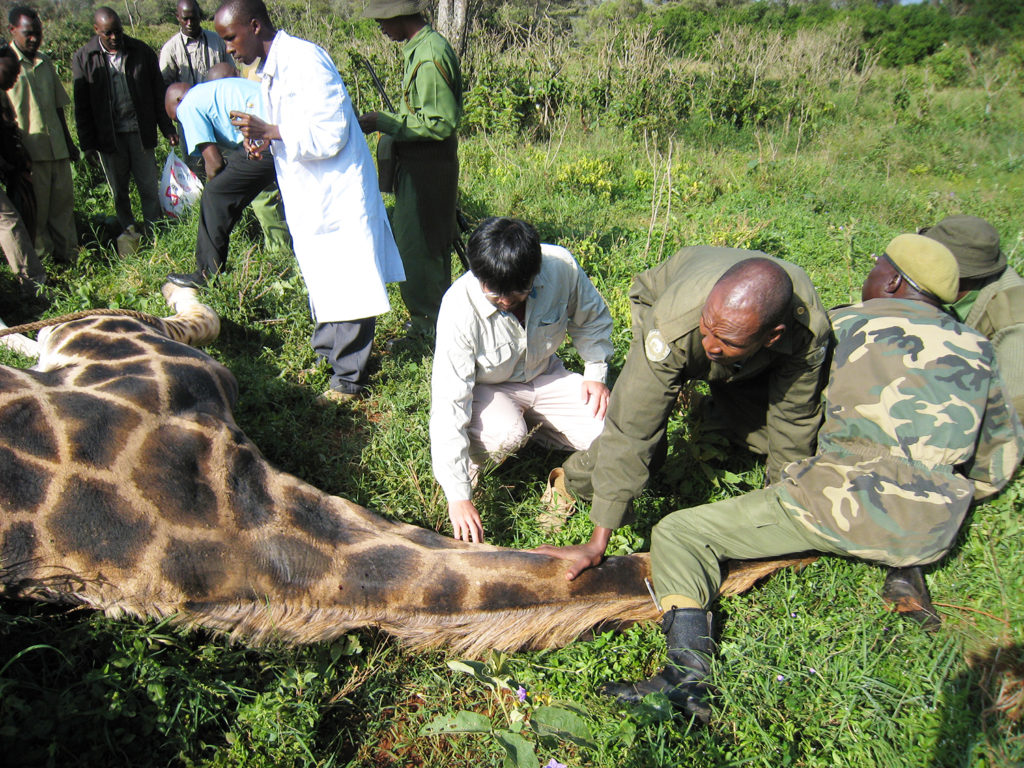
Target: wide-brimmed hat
927,264
973,241
389,9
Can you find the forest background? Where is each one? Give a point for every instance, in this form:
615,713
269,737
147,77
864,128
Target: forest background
623,130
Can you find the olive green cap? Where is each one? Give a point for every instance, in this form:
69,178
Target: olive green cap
973,241
389,9
927,264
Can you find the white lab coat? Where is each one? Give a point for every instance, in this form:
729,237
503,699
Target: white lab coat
328,181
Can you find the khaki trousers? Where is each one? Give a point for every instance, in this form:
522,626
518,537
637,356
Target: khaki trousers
16,243
503,414
55,209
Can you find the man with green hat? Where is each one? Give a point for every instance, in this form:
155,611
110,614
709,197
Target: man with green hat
426,149
990,298
916,427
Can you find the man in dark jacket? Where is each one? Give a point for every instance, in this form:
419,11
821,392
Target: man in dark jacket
119,104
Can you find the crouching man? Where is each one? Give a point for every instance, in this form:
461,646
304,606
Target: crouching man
496,375
917,426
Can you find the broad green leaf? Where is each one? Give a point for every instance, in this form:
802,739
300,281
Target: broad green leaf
562,724
461,722
481,672
518,751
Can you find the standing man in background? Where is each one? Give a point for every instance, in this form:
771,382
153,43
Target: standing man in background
39,99
189,54
325,172
119,103
14,173
426,148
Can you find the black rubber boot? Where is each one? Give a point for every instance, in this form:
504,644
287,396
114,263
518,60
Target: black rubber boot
689,649
906,591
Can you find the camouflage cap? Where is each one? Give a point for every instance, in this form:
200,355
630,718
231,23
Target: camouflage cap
927,264
389,9
973,241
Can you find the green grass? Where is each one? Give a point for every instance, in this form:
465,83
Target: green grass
813,671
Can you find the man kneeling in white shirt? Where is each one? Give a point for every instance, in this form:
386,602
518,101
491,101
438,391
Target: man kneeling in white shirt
495,373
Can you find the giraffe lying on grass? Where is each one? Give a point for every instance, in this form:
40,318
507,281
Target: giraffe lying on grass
126,486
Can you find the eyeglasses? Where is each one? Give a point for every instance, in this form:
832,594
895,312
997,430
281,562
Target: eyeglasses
516,295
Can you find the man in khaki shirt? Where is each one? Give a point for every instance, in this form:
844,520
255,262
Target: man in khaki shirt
39,99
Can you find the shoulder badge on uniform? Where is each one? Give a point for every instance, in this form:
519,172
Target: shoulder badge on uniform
655,346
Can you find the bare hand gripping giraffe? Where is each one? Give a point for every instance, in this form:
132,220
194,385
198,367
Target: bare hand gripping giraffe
126,486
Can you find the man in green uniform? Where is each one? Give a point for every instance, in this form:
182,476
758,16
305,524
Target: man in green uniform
917,426
39,99
426,148
991,294
750,325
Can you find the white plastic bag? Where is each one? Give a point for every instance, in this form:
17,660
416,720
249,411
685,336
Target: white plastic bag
179,187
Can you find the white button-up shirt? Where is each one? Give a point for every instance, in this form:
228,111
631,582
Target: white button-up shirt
478,343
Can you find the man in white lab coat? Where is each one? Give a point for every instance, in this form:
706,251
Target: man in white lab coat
327,178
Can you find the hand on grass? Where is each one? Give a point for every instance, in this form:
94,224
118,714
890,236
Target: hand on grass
465,519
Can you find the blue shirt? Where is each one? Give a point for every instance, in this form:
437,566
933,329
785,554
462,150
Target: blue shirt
204,112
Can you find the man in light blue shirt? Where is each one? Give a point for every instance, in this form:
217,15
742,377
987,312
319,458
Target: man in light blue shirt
203,112
234,181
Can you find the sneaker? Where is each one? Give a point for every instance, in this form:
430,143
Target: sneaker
338,396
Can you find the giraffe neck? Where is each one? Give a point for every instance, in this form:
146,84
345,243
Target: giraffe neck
131,489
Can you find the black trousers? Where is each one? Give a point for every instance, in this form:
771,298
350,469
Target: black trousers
346,346
225,196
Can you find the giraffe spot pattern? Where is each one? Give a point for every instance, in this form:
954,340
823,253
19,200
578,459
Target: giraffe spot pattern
373,575
140,392
290,563
17,553
316,518
171,466
447,594
192,388
90,520
99,373
197,568
96,346
91,422
23,485
23,424
247,483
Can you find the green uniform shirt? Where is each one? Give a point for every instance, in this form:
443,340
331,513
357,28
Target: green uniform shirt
431,102
998,312
916,426
38,98
666,352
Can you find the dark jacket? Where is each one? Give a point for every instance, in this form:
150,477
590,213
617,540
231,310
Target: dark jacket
94,111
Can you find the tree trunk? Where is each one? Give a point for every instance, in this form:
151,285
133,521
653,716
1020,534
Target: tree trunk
453,17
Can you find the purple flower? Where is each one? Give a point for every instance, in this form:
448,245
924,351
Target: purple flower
812,670
555,764
779,678
521,694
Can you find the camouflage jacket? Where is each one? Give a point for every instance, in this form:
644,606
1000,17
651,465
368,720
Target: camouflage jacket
916,425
